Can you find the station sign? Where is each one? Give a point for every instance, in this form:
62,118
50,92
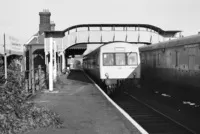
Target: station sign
1,49
12,46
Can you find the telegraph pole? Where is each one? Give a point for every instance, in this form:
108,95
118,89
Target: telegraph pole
5,57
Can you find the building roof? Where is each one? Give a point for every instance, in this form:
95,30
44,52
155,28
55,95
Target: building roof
36,39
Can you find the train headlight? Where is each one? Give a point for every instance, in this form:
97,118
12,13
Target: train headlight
134,74
108,82
107,76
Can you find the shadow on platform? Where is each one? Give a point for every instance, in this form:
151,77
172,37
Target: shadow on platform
78,75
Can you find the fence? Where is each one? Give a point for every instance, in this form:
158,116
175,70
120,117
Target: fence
36,79
33,80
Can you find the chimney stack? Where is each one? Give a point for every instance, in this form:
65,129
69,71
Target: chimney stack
44,21
53,26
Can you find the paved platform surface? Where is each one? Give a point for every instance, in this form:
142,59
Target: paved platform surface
83,108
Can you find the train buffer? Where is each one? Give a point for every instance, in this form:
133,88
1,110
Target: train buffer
83,108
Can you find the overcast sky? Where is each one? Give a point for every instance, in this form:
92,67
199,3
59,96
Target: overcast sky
20,18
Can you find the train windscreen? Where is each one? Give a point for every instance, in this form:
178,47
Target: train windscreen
108,59
132,59
120,59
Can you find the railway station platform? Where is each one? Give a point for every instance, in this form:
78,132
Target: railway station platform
83,108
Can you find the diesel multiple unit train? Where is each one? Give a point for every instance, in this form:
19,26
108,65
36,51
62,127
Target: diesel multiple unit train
173,67
113,62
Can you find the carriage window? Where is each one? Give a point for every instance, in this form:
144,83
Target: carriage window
159,58
120,58
132,58
177,58
108,59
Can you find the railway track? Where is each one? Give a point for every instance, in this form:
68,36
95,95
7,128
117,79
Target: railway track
150,119
153,121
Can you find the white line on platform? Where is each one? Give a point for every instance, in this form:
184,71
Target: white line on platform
142,130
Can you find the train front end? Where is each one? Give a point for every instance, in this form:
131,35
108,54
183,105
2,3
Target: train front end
119,61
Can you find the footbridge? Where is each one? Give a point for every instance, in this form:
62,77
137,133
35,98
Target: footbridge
58,45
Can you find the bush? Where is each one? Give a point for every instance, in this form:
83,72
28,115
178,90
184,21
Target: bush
17,115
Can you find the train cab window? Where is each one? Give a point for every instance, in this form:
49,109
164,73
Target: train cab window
132,58
120,59
108,59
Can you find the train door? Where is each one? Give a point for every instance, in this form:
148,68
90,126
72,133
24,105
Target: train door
191,62
154,66
176,64
192,58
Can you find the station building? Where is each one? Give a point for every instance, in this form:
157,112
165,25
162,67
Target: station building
35,45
